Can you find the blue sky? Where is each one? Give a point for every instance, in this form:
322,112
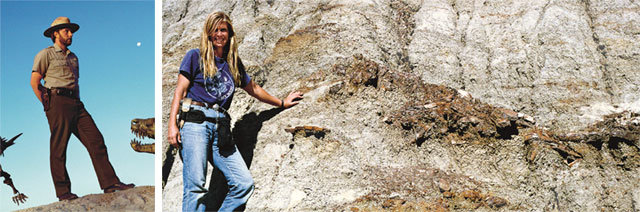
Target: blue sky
116,83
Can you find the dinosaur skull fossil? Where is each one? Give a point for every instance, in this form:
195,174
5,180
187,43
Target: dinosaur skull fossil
143,128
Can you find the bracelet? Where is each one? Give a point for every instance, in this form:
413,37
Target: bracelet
282,103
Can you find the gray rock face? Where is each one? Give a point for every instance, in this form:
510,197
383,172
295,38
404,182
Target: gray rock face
564,63
135,199
546,58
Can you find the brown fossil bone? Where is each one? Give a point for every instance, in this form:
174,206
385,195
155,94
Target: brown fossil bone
307,131
19,197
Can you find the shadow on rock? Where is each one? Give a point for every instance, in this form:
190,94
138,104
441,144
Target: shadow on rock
170,156
245,135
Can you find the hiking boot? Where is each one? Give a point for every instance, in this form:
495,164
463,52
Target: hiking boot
118,187
68,196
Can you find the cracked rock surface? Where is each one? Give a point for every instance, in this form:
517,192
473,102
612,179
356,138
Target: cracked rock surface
429,105
140,198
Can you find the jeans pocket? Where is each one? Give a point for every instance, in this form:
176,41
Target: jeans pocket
193,135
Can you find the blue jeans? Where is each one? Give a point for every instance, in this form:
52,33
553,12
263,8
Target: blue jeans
199,145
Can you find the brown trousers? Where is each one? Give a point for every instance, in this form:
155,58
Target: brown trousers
67,115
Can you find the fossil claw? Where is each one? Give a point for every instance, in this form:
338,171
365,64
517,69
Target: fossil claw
19,198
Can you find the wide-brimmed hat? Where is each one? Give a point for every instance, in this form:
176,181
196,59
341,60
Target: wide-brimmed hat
59,23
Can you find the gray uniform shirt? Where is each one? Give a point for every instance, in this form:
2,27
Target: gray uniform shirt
59,68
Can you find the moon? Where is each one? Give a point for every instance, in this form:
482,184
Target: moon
138,44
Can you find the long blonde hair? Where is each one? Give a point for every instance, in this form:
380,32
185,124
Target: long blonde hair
207,60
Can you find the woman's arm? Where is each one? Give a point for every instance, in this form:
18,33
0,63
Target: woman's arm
181,91
256,91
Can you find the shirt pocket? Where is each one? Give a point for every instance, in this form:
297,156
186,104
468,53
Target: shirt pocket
73,65
58,63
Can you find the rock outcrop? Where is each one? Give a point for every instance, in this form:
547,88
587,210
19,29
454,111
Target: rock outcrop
429,105
136,199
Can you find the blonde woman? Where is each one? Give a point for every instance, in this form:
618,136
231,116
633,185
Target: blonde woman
208,76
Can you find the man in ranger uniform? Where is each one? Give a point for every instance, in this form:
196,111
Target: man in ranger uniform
66,113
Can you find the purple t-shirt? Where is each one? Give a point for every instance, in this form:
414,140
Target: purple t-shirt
212,90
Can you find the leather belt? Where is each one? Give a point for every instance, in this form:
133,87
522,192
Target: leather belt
65,92
198,116
210,106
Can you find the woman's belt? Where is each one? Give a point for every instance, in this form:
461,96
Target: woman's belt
210,106
198,116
